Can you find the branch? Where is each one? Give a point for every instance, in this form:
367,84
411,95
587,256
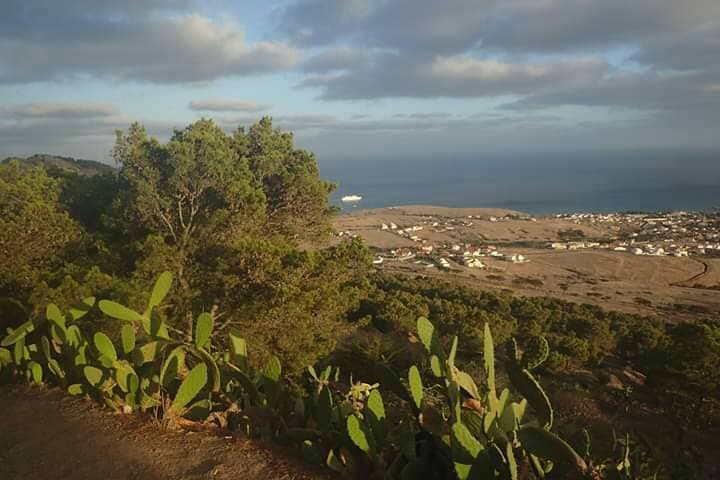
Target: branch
164,217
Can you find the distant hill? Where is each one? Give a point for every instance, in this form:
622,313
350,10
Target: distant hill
55,164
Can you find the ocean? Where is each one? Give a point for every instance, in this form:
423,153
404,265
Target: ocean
537,183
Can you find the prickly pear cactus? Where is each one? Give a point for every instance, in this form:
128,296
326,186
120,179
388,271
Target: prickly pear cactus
546,445
524,381
454,427
536,352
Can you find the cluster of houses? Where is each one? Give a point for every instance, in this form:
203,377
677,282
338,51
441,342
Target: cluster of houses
446,255
345,234
440,225
408,232
678,234
638,248
575,245
510,217
650,249
453,255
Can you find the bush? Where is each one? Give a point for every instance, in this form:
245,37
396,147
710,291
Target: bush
444,424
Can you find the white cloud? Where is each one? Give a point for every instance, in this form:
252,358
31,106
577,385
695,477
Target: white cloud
546,53
62,110
452,26
228,105
289,122
182,48
395,75
342,58
462,69
79,129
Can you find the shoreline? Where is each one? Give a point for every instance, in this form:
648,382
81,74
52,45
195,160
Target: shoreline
427,209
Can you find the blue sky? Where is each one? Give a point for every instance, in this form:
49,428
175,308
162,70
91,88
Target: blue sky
358,78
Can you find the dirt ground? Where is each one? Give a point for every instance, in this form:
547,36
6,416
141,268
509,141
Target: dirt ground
365,223
45,434
614,280
710,278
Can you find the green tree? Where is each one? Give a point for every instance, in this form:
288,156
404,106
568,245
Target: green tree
193,191
228,214
36,234
683,374
291,303
88,198
296,197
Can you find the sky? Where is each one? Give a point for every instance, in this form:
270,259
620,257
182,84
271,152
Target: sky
364,78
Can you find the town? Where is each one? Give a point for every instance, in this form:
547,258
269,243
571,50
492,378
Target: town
441,241
679,234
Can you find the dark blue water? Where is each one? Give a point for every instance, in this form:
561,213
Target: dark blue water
535,183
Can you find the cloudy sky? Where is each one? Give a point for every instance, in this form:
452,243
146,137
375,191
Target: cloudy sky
364,77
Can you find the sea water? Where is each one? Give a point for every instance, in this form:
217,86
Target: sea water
537,183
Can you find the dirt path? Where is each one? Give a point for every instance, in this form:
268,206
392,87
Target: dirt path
45,434
690,282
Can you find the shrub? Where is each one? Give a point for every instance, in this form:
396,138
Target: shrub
443,424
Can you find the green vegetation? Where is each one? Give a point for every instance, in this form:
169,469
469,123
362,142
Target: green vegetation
229,235
230,215
571,235
527,282
452,427
580,336
58,165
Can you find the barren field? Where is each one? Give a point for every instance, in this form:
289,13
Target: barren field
614,280
366,222
709,278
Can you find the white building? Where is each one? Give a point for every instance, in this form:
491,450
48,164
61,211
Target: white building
474,263
517,258
403,254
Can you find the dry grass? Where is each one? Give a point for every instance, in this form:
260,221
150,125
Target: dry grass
613,280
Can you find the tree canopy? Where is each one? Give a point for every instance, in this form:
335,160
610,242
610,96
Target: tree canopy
206,184
226,213
35,232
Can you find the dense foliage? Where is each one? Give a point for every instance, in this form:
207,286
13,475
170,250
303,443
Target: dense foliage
230,215
677,358
36,234
445,425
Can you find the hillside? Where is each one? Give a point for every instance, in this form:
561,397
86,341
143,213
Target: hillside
56,164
